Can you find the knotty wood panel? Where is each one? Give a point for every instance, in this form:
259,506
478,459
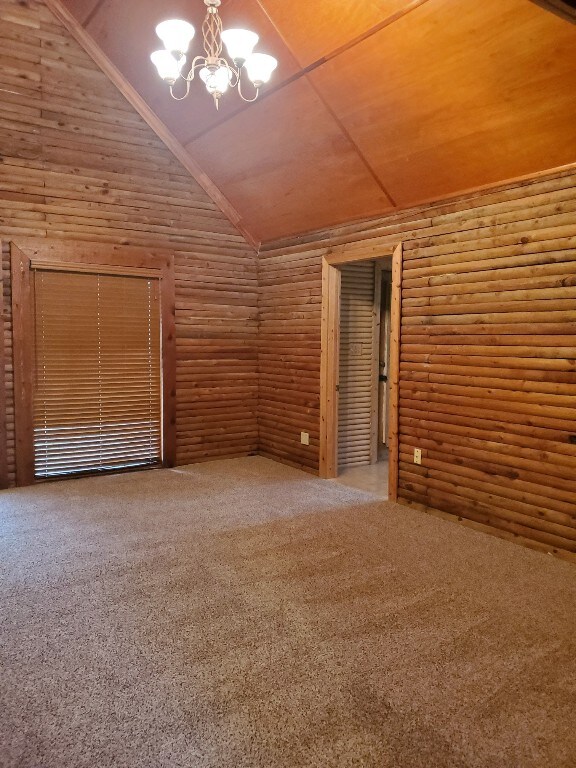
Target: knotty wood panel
432,138
488,354
78,163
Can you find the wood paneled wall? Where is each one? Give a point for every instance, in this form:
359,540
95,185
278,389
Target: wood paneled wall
8,438
77,162
290,284
488,354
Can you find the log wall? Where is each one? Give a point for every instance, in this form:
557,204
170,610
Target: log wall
77,162
488,354
290,285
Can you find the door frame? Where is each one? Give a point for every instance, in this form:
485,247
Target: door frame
330,352
3,417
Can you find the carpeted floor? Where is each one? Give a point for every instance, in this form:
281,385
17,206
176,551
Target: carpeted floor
243,614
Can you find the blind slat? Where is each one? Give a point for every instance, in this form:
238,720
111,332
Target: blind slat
97,403
355,372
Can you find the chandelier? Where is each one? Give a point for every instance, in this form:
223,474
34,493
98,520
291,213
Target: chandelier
217,73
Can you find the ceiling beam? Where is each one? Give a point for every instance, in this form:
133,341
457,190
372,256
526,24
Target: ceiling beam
564,8
92,13
150,117
353,144
411,6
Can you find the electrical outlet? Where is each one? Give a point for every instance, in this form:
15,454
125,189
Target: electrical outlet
305,438
417,456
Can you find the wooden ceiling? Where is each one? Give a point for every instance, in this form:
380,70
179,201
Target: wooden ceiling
375,105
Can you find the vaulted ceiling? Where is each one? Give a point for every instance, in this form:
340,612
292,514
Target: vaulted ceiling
375,105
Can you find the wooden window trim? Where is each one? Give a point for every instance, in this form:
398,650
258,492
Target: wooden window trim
26,253
3,415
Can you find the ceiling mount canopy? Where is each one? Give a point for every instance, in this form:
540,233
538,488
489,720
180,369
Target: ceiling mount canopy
217,73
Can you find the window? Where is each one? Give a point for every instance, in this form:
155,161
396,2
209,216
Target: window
97,390
94,357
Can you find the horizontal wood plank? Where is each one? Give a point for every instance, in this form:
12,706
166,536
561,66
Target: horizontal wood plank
487,358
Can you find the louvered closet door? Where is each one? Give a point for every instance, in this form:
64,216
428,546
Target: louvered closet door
356,398
97,399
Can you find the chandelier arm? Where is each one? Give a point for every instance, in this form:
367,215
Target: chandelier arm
235,73
180,98
245,98
212,64
197,62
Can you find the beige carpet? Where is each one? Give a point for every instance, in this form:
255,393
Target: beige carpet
241,613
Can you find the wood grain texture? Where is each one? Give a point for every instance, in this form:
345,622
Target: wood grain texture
487,352
453,97
3,421
566,10
79,164
395,341
134,98
432,138
23,354
7,373
331,365
328,461
306,150
314,31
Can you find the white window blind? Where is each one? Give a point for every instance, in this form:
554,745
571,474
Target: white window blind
356,375
97,399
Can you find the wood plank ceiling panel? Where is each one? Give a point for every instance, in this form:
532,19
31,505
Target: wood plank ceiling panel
408,100
316,29
293,166
444,107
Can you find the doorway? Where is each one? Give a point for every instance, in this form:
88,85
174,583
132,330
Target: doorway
362,389
359,394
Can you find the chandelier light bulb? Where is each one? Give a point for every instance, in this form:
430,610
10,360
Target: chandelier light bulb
217,80
168,67
260,67
175,34
239,43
